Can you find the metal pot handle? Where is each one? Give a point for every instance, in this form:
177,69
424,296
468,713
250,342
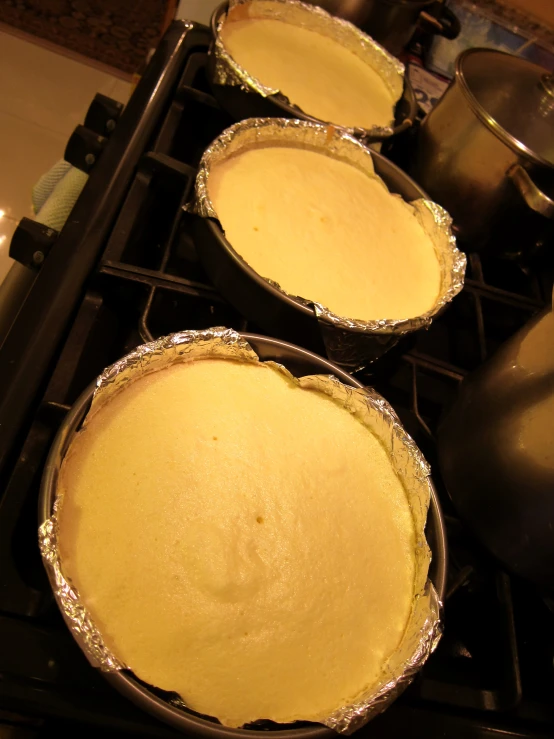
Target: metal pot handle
445,23
535,198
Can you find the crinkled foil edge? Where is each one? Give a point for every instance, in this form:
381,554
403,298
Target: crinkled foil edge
423,630
228,72
337,143
74,612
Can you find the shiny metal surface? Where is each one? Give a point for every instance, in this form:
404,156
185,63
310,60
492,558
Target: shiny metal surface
496,452
511,96
535,198
495,119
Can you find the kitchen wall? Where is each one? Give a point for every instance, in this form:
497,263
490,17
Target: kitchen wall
196,10
542,9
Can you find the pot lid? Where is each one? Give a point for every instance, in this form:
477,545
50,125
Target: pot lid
513,97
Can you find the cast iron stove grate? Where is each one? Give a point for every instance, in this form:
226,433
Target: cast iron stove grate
493,670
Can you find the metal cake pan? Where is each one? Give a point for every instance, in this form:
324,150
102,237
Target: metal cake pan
241,103
283,315
299,362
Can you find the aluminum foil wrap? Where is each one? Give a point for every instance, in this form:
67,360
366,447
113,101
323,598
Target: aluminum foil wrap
348,341
74,612
424,627
227,71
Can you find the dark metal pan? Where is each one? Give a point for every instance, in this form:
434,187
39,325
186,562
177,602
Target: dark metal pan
282,315
299,362
241,104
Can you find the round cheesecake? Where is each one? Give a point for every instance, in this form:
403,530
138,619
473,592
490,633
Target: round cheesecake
239,540
315,72
327,232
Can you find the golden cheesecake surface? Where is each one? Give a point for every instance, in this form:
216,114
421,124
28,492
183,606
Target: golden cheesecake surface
239,540
315,72
327,232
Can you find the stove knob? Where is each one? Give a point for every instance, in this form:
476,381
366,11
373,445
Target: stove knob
31,242
103,114
83,148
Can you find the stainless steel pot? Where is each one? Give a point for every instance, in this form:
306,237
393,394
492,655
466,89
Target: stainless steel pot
393,22
496,452
486,151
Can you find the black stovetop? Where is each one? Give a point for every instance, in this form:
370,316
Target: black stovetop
124,270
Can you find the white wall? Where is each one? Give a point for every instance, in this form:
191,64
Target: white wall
196,10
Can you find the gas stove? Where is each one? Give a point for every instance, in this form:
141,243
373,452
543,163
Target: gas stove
124,270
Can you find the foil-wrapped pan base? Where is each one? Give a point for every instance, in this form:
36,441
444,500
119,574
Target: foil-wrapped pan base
350,342
424,627
226,71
